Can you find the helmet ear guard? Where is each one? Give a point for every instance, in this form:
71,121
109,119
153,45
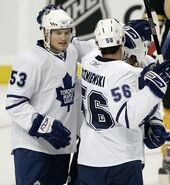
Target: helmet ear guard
109,33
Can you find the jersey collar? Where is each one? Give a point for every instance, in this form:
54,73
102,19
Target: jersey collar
99,58
61,55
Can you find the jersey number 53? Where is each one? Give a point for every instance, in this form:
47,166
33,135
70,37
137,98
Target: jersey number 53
18,78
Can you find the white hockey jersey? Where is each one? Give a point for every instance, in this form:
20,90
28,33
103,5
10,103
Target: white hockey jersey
45,84
113,109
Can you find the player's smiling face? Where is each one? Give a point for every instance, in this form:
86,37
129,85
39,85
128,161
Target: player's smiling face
59,40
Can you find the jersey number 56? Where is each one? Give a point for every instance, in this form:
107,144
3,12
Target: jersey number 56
96,113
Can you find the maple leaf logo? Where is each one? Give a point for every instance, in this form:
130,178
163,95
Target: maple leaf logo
66,95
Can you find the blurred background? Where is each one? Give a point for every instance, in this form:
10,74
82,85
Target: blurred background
19,31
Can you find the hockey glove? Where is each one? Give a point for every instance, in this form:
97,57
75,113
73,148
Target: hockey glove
155,133
51,130
156,77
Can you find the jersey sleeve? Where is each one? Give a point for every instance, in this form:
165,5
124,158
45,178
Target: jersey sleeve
148,60
84,47
157,113
24,82
134,105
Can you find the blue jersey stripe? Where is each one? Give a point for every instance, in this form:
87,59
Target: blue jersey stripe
22,98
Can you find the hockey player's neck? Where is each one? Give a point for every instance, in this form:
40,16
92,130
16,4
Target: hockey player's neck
116,56
56,51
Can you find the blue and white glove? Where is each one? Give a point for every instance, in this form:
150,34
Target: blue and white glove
156,77
155,133
51,130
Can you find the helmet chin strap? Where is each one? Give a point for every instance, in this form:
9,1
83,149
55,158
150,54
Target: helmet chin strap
47,40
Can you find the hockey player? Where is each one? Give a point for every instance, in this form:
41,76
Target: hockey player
42,101
162,9
111,147
135,49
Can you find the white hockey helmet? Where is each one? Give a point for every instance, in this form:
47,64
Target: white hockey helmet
108,33
56,19
134,45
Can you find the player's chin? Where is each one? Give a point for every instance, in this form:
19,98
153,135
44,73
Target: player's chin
63,47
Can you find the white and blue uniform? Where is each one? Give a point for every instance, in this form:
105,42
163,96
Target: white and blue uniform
45,84
110,134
